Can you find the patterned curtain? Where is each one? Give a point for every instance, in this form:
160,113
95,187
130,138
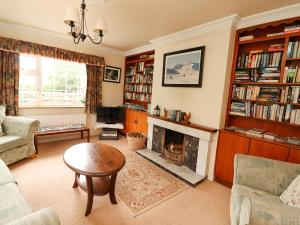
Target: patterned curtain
94,88
9,81
47,51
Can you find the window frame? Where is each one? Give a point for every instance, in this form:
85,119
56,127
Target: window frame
38,75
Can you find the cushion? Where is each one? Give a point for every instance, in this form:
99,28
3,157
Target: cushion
2,115
11,141
6,176
291,196
13,205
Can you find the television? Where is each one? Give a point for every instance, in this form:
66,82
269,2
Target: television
110,115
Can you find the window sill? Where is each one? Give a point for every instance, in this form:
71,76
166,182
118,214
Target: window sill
45,107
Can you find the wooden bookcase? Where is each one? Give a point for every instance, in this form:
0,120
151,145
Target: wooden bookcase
138,78
230,142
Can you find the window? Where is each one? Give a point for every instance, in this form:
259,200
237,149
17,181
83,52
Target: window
51,82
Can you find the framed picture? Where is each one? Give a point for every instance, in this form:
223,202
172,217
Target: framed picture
183,68
112,74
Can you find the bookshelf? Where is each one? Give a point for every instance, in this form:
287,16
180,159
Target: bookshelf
264,94
262,63
138,79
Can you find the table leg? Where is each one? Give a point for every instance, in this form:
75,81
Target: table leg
35,141
88,135
112,188
75,185
89,184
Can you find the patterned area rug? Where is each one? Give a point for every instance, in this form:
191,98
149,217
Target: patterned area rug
142,185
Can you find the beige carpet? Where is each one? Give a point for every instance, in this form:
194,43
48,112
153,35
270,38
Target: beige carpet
141,185
46,181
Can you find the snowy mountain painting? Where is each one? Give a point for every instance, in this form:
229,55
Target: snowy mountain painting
183,68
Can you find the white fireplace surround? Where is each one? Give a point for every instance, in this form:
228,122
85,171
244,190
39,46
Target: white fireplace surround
204,140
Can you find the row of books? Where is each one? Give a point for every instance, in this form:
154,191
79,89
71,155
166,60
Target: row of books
140,78
140,67
130,71
263,134
138,97
291,74
175,115
293,50
249,92
273,112
258,75
149,69
258,59
275,94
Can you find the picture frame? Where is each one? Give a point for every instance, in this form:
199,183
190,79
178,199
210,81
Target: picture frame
112,74
183,68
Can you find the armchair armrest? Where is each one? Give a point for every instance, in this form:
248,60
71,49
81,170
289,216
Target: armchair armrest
41,217
267,175
6,176
260,212
24,127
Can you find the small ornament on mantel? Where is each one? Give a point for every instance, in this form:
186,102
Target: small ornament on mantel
156,111
186,118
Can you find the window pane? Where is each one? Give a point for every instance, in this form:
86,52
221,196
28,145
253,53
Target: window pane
27,62
63,82
28,90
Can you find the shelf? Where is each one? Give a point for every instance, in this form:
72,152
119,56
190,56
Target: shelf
263,39
261,139
257,68
266,39
272,121
293,59
265,102
267,83
139,60
136,101
139,92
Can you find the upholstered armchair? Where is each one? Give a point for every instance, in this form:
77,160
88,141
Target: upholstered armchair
17,142
258,183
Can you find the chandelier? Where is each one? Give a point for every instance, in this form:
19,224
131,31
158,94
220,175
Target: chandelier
79,30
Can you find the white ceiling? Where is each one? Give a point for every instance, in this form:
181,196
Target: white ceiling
132,23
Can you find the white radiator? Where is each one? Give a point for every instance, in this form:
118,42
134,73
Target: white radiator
59,120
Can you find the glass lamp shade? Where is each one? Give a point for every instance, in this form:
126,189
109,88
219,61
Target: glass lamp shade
100,25
72,15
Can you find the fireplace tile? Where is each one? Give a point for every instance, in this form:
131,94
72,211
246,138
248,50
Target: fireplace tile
158,138
191,152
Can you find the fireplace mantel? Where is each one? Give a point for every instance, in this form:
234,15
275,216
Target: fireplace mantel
191,125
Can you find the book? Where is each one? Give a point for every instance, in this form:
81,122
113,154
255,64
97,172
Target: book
269,135
275,34
246,38
293,50
290,74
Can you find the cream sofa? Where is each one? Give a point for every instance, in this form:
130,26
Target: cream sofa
258,183
17,143
14,209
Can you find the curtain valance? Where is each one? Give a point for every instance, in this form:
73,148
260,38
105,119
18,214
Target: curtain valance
47,51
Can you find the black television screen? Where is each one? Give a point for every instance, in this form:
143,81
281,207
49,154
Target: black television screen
110,115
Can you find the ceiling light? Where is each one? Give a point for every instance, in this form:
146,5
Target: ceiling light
79,30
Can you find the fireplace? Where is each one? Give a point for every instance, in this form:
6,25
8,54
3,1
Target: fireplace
173,148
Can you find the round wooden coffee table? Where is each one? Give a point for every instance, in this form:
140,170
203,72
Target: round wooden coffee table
96,167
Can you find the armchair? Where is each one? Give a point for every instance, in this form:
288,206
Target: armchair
17,143
258,183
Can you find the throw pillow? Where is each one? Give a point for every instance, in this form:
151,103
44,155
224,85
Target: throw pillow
2,115
291,196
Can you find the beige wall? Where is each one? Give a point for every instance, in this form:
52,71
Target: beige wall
112,92
207,104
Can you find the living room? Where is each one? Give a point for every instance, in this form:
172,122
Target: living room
120,112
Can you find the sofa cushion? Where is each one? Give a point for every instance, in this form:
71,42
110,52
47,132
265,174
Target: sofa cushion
238,192
291,196
11,141
13,205
6,176
2,115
